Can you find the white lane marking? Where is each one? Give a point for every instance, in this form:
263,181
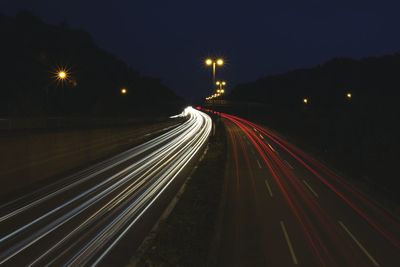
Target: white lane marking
287,163
271,148
358,244
261,136
289,243
255,129
259,165
269,188
310,188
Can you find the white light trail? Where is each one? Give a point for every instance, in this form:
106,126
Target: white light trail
100,204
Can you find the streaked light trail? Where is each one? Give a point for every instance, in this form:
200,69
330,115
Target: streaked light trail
315,197
81,218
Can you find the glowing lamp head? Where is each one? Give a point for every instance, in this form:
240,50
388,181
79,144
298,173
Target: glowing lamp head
220,62
218,83
223,83
208,61
62,74
349,95
124,91
305,101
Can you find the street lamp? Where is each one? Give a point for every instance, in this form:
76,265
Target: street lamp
349,95
62,75
221,86
305,101
124,91
214,63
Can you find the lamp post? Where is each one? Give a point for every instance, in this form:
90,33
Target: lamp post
221,86
214,63
60,75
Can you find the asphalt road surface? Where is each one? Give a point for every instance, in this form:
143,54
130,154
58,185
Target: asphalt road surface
281,207
82,219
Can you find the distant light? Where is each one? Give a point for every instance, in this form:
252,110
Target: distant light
209,62
349,95
223,83
305,101
124,91
62,74
218,83
220,62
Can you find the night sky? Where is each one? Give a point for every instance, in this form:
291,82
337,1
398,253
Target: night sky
170,39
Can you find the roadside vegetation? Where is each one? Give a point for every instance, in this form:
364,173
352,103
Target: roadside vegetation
33,54
185,237
348,120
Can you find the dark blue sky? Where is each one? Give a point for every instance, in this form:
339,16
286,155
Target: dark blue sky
170,39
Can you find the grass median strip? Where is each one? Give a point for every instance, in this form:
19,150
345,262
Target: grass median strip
184,238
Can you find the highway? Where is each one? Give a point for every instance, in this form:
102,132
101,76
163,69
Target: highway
84,218
281,207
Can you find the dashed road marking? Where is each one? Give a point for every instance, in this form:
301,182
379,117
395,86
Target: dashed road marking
290,166
310,188
272,149
358,243
259,165
291,250
269,188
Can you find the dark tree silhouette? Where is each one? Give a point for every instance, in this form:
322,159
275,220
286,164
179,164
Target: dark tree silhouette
359,135
31,51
